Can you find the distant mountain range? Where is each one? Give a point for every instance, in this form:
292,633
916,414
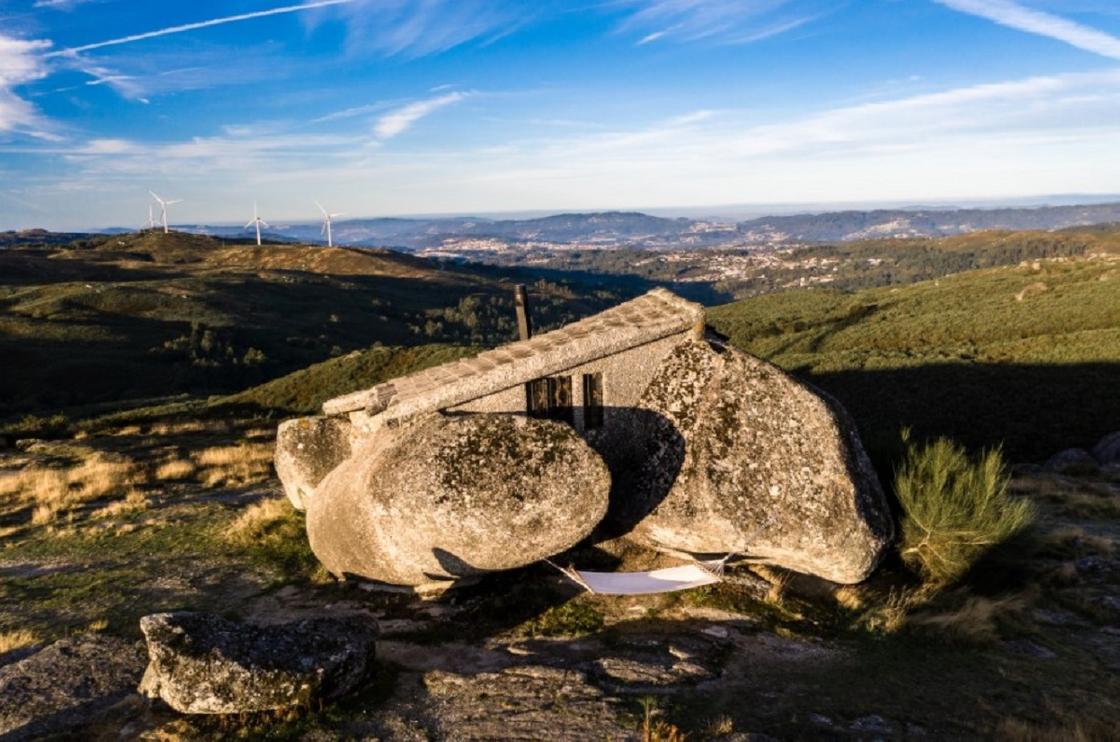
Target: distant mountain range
634,229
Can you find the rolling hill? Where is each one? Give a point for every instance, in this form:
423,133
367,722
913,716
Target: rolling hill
147,315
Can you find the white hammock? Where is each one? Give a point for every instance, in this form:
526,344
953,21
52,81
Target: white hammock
669,580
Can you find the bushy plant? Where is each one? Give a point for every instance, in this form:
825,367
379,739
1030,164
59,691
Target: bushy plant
954,509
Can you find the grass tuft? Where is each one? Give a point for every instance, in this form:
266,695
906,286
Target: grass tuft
16,639
175,470
955,509
235,466
55,489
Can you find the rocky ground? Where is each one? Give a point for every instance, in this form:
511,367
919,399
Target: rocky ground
1028,646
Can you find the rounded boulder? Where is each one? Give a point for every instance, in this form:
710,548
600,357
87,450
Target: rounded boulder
307,450
452,497
744,459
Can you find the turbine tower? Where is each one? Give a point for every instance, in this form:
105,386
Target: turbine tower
163,204
151,218
257,222
327,217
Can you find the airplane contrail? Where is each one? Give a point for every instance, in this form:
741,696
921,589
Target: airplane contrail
199,24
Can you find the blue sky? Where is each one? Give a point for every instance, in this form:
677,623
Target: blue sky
390,107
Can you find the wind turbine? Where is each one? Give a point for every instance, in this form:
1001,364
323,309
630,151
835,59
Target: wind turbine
151,218
257,222
163,209
327,217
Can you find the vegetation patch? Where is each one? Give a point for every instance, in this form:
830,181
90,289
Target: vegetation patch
954,509
577,617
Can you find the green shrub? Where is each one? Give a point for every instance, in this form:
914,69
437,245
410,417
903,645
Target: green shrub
955,509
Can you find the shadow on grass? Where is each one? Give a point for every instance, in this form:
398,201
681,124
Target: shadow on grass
1033,411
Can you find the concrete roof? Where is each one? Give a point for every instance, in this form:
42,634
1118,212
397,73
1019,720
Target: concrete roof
652,316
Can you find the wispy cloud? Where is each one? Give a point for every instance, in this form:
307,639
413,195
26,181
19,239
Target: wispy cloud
184,28
719,21
1017,16
20,63
59,4
401,120
409,28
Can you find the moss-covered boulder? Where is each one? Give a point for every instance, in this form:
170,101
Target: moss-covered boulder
742,458
201,663
453,497
307,450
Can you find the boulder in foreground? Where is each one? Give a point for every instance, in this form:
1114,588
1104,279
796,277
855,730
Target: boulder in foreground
457,496
204,664
742,458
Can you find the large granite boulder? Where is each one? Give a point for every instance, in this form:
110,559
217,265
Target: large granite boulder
201,663
742,458
452,497
1107,450
1072,461
307,450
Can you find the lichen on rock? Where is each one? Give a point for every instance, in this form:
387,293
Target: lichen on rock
450,497
307,450
201,663
768,467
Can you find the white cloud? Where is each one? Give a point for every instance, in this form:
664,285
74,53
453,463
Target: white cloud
20,63
1017,16
401,120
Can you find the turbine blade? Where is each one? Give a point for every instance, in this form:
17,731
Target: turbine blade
264,223
250,224
321,208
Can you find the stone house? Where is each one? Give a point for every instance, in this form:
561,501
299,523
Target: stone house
678,441
590,374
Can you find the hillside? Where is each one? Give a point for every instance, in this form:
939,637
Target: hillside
148,315
718,276
616,229
1025,355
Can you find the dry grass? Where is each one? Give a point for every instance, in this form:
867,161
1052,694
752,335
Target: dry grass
850,597
779,582
54,489
16,639
175,470
235,466
977,619
134,502
654,729
1017,730
1078,540
721,726
890,615
188,427
258,521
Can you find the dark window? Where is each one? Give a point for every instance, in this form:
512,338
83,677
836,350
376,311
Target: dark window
550,398
592,401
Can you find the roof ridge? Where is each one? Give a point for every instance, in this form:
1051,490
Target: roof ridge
651,316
